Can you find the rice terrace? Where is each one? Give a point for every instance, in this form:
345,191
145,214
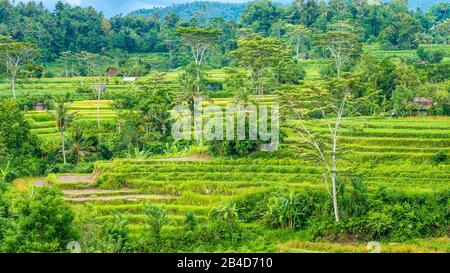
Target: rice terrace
88,154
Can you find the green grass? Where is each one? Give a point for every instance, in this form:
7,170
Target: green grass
394,153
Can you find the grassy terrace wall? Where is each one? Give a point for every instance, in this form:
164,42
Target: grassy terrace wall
394,153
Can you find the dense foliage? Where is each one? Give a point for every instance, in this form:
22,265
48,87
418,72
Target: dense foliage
84,29
91,115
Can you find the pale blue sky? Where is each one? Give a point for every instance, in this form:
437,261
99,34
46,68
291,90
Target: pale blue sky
114,7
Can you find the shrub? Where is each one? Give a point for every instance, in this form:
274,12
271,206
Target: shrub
291,211
253,206
190,220
117,233
391,216
439,157
227,218
232,148
156,219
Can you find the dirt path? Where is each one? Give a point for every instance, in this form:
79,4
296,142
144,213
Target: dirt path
41,183
136,197
183,159
94,191
75,178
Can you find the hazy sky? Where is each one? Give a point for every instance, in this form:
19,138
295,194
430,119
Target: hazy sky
114,7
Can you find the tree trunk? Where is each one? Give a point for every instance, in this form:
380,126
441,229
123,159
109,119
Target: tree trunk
98,109
170,58
197,70
13,86
334,193
333,177
63,147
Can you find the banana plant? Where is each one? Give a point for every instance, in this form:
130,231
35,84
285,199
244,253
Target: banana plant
4,172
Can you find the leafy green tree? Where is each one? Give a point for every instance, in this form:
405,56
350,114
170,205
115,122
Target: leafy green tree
441,11
441,31
16,58
198,40
130,132
379,74
260,15
402,32
342,42
88,63
431,56
17,144
298,35
40,222
15,136
155,104
237,83
261,57
402,99
406,75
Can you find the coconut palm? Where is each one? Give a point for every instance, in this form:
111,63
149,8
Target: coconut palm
79,145
63,119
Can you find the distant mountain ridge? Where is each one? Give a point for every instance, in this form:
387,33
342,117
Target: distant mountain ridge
228,11
232,11
425,4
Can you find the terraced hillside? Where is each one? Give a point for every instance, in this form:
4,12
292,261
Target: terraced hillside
43,124
395,153
54,86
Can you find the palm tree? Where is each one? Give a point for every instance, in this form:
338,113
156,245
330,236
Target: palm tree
190,88
79,145
63,119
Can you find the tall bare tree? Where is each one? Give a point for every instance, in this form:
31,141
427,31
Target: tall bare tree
16,58
198,39
342,41
66,58
297,35
100,89
324,150
63,119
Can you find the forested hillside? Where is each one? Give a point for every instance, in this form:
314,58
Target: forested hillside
78,29
203,9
